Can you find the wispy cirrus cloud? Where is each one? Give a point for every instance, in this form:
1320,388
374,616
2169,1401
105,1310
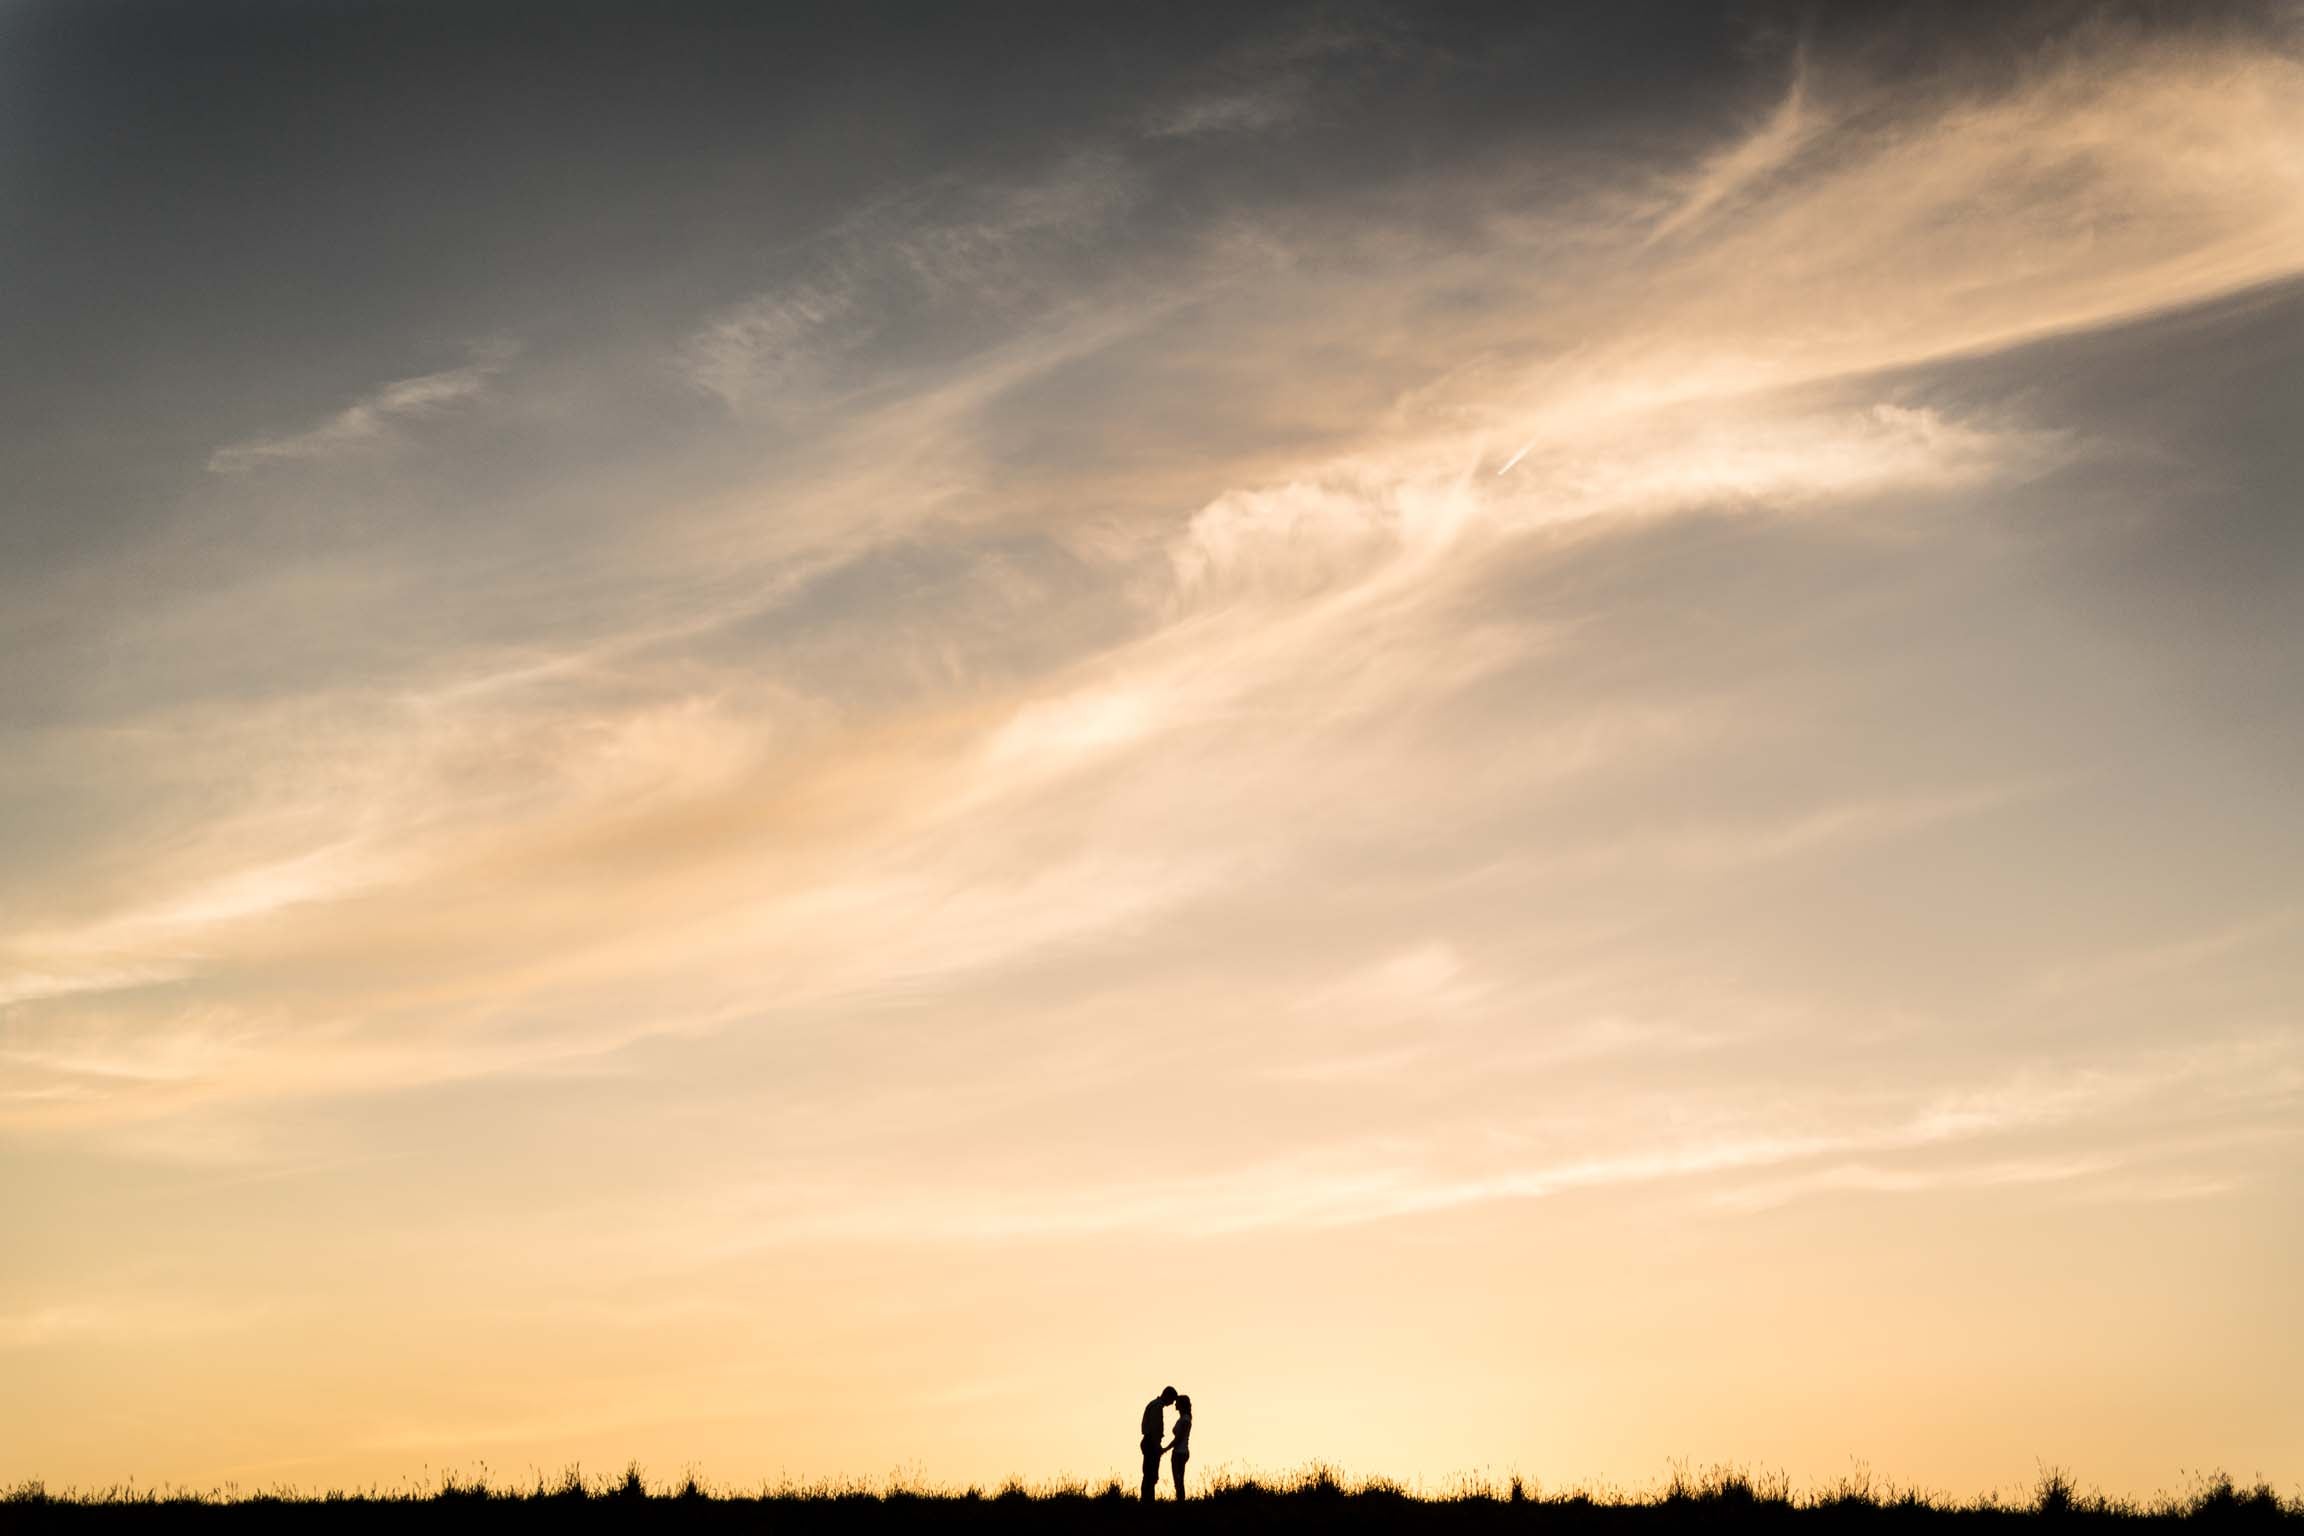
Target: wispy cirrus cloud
890,270
1283,623
1981,1137
1279,80
1790,128
373,420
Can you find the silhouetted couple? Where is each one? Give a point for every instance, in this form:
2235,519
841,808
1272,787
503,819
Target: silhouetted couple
1179,1449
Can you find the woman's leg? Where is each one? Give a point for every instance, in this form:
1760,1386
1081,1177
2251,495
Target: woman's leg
1176,1469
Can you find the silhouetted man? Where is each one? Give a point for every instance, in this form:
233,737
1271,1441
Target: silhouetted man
1155,1425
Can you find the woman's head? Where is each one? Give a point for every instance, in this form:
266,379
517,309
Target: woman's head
1184,1407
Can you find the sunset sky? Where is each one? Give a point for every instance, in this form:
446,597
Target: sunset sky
809,741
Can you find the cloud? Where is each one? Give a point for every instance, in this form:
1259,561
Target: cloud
2129,966
936,250
2086,1120
1872,1179
1878,231
29,985
765,342
373,420
1283,78
1744,165
126,1318
1414,986
1254,654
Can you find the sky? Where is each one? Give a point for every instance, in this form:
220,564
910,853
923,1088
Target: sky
806,742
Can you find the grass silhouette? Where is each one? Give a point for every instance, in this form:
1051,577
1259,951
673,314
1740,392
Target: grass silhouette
1317,1498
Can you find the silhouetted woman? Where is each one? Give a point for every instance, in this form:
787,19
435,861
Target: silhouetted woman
1180,1448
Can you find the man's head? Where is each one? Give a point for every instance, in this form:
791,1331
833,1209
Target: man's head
1167,1396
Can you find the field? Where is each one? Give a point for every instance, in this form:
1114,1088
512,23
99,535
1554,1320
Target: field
1316,1500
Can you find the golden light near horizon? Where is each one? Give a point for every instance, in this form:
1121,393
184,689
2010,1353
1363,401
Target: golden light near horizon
1521,742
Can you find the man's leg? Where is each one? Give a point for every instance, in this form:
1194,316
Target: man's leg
1151,1474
